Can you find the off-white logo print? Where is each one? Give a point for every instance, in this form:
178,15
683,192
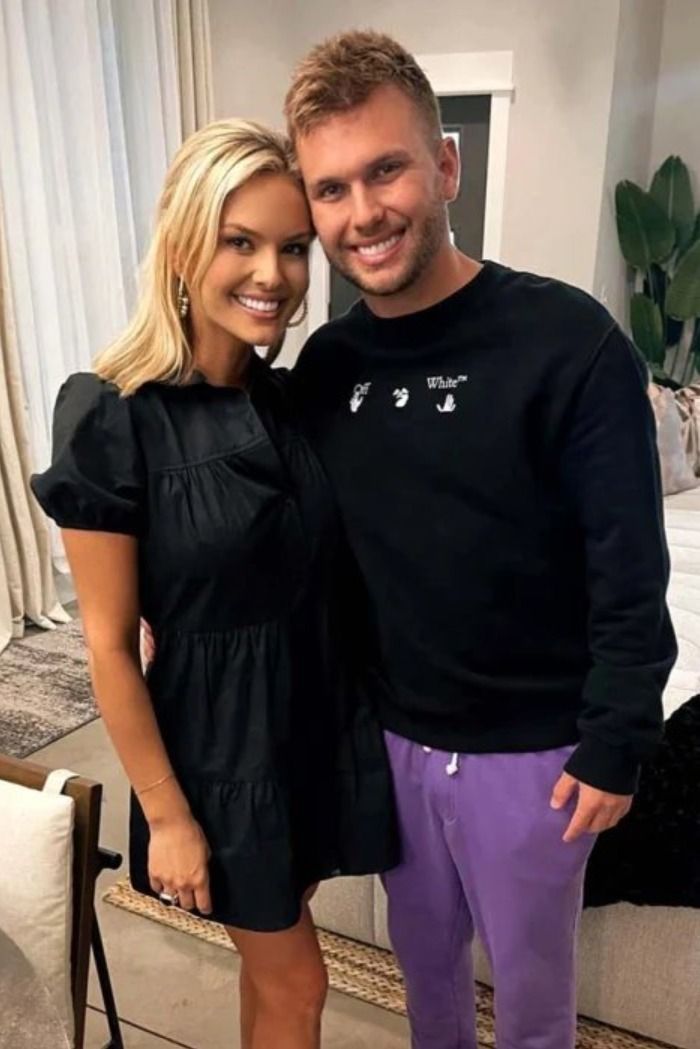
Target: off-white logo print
358,395
442,382
400,397
448,405
446,382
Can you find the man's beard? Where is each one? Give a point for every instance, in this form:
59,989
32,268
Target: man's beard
430,240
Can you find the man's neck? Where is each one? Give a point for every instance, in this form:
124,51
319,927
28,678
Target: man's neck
449,271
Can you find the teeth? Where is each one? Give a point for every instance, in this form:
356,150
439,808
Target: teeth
262,306
377,249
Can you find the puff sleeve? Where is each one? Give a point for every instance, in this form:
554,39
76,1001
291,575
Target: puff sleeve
95,481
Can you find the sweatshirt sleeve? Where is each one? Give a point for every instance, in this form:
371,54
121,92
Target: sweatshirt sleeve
610,473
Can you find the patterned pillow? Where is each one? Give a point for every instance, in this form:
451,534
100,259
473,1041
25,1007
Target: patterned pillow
677,465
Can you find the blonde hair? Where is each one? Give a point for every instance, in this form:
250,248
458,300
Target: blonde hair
343,71
210,164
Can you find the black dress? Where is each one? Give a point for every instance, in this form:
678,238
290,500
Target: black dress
280,757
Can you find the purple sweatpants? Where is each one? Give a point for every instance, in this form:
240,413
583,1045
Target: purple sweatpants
482,852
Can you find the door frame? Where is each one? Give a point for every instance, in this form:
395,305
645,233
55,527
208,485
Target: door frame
465,73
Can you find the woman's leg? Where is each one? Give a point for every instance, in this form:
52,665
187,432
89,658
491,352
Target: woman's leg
300,953
247,1006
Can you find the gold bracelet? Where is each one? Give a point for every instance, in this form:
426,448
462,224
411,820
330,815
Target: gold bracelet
152,786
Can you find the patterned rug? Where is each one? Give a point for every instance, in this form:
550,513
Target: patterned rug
360,970
44,690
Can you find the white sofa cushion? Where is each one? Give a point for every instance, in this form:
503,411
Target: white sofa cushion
682,518
36,844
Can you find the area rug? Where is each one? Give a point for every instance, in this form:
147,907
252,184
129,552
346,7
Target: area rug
360,970
44,689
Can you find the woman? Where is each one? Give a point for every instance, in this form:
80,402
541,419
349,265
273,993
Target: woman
187,495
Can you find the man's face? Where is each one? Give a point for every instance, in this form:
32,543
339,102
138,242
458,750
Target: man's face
377,188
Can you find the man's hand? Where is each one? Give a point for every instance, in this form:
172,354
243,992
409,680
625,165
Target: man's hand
596,810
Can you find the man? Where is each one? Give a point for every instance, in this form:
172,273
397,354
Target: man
490,442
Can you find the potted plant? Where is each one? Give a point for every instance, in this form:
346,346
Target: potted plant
659,235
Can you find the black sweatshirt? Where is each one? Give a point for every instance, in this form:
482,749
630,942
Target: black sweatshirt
495,462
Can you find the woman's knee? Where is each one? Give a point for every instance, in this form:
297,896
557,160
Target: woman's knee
301,990
285,970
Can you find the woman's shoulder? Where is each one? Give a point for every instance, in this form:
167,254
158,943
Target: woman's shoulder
88,387
95,479
84,392
85,402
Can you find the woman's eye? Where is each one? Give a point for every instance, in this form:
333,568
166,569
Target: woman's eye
238,242
299,250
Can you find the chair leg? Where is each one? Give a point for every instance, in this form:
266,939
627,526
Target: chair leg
115,1035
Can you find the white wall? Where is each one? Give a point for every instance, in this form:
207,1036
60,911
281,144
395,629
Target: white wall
629,135
585,113
677,117
654,113
564,54
563,58
253,51
250,56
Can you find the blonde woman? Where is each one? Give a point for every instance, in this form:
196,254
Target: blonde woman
187,495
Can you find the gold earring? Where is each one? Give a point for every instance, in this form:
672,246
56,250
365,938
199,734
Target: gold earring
304,312
183,299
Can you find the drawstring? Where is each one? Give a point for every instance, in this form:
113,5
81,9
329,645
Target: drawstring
453,768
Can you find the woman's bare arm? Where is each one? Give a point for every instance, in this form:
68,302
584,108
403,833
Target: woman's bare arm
105,571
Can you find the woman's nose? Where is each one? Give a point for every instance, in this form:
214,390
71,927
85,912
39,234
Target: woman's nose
268,273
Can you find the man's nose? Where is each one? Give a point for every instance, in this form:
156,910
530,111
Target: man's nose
367,211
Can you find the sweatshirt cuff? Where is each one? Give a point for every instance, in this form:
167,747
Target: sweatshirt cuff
606,767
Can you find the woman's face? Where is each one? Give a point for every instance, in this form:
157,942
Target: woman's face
260,270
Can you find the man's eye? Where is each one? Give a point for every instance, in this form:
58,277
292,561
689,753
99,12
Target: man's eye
328,192
387,169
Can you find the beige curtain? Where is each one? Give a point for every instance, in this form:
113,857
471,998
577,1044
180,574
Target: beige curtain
194,64
26,579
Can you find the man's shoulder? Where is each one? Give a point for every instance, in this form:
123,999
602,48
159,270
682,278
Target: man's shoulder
343,330
534,303
330,349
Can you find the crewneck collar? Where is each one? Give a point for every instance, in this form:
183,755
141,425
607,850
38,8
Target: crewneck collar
420,329
256,367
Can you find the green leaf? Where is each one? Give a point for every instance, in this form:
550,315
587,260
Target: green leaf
671,190
646,234
647,328
693,238
683,296
655,284
696,229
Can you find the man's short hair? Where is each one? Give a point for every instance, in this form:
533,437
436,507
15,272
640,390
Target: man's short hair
343,71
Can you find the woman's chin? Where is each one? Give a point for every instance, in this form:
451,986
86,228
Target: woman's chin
266,341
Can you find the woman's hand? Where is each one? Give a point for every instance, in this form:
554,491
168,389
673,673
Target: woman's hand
178,862
147,645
